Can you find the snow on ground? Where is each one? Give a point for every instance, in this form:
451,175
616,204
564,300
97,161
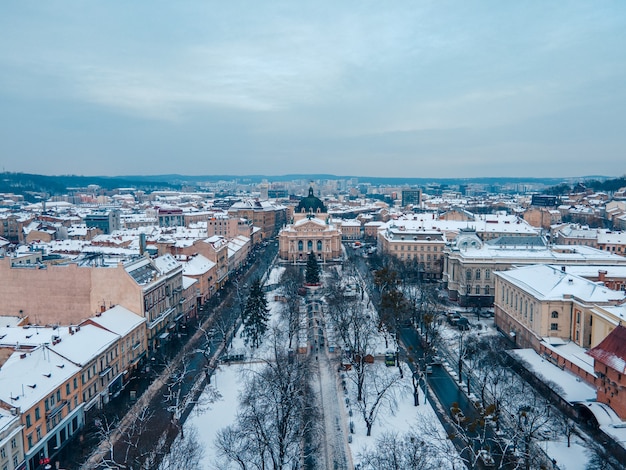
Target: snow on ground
567,458
226,380
404,419
274,276
574,389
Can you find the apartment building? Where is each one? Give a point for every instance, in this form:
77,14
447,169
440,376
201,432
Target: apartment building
44,389
423,248
132,347
70,293
11,442
266,215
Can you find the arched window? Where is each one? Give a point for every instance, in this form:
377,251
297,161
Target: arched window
555,314
468,274
531,312
486,290
309,245
300,245
477,290
487,274
477,274
319,245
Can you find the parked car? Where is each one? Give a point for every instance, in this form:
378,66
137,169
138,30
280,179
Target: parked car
453,318
463,323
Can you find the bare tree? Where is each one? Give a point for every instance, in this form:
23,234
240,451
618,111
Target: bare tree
399,452
186,452
182,391
358,331
122,446
277,412
291,281
380,390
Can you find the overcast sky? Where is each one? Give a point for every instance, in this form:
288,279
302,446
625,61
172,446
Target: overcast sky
373,88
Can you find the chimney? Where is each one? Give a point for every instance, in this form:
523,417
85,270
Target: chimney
142,243
602,275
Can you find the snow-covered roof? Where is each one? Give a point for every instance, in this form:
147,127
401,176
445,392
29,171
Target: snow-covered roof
166,263
188,282
572,388
85,344
197,266
549,283
26,378
118,320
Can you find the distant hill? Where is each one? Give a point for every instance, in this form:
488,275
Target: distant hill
39,185
393,181
34,187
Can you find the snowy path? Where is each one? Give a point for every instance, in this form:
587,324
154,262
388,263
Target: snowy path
334,444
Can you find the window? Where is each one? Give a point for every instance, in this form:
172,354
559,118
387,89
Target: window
75,383
531,312
554,326
309,245
555,314
28,423
300,245
468,274
477,290
477,274
487,274
38,431
67,388
37,413
319,245
30,441
3,453
486,290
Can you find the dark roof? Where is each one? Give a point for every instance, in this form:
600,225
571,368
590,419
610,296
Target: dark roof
612,350
311,204
524,240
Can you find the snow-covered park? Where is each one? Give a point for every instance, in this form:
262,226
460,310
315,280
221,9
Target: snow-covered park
396,418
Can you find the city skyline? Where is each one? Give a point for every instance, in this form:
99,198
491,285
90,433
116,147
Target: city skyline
428,89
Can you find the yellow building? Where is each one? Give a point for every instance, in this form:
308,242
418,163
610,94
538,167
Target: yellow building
45,390
536,302
423,248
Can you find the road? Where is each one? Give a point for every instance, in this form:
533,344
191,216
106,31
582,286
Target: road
223,309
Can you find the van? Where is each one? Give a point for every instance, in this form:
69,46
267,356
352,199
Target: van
390,359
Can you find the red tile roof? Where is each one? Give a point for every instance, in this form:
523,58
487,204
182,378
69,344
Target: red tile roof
612,350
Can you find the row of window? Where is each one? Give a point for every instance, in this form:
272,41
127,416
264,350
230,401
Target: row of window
477,274
520,305
421,257
3,453
309,245
16,462
408,248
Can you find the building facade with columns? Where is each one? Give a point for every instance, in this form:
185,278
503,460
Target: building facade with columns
310,231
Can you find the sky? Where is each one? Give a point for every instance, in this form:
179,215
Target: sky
357,87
